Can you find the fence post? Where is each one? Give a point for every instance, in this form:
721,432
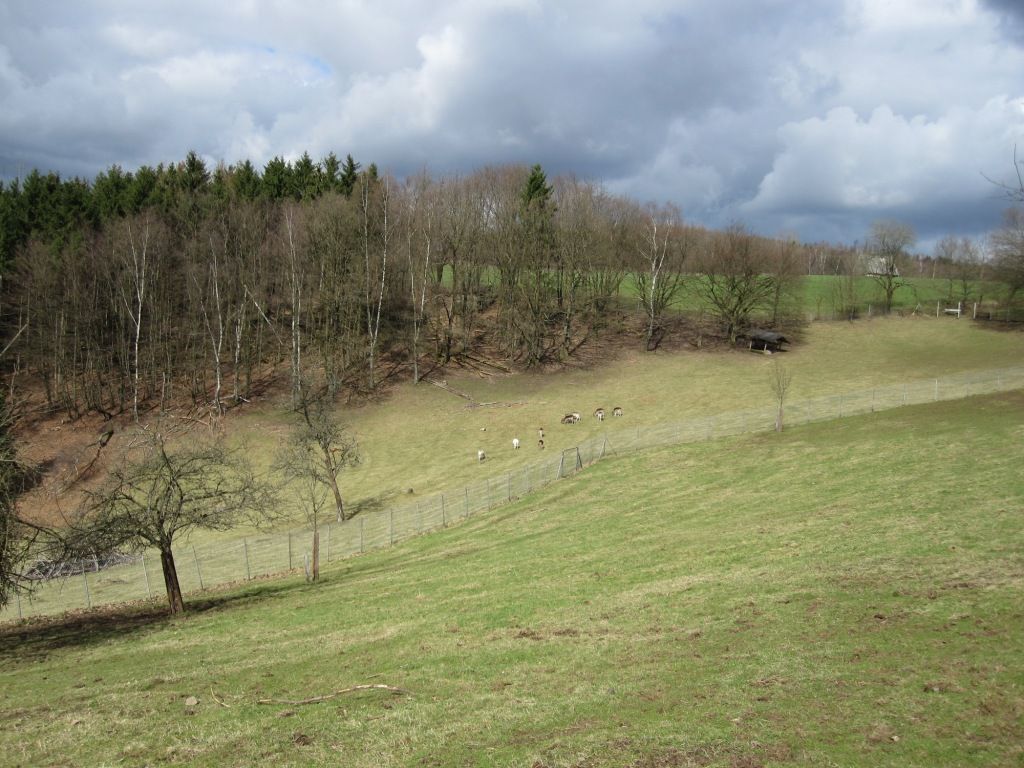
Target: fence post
510,486
936,390
561,461
444,521
199,573
145,572
872,401
936,309
840,406
245,546
904,394
17,599
391,527
361,550
467,501
328,557
85,581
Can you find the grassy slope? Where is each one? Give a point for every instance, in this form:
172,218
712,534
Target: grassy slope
847,593
400,439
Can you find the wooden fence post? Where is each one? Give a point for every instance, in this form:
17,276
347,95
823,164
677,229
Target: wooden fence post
199,573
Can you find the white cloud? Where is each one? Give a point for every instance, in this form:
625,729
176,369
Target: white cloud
887,161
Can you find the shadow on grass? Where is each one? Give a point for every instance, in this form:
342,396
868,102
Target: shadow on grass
36,637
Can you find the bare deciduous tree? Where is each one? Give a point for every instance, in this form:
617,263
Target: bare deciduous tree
1008,250
661,249
780,379
312,459
168,491
735,279
888,243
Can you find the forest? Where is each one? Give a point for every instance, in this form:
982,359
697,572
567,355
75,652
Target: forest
178,283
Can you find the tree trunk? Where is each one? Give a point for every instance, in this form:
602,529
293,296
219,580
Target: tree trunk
778,419
337,497
316,555
177,604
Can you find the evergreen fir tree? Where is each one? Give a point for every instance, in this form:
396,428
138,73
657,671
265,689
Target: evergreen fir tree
349,176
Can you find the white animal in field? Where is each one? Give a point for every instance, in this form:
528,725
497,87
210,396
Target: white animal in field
599,414
616,411
515,443
540,432
571,418
480,455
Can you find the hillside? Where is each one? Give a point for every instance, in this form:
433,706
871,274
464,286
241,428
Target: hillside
844,593
399,432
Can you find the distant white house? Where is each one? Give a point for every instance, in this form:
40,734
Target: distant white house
879,265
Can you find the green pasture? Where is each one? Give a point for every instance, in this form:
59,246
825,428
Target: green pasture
844,593
818,296
425,439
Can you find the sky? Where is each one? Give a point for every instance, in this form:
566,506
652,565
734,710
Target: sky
811,118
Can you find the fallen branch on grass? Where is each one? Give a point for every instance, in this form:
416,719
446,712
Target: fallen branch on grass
329,696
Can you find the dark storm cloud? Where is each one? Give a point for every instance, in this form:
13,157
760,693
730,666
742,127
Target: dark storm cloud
1011,13
797,116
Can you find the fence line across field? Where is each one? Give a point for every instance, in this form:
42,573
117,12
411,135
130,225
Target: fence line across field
201,566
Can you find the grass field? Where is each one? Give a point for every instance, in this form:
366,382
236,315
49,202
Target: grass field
846,593
400,438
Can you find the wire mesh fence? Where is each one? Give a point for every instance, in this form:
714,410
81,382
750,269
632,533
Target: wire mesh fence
205,565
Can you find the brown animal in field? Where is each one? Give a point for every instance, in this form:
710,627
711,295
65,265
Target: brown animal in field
540,444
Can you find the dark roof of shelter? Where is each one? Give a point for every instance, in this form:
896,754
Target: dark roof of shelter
768,336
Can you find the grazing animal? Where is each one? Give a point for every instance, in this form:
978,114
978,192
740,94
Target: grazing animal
571,418
480,455
540,432
599,413
616,411
540,443
515,443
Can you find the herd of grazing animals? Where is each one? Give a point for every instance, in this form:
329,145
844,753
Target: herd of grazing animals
570,418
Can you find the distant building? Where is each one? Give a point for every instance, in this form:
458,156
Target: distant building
878,265
765,341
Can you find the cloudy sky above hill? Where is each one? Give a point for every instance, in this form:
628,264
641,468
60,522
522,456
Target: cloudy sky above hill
804,116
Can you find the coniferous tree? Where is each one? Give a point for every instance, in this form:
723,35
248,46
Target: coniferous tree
246,181
277,179
349,176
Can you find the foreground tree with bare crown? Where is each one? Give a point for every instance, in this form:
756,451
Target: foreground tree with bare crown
18,537
169,491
